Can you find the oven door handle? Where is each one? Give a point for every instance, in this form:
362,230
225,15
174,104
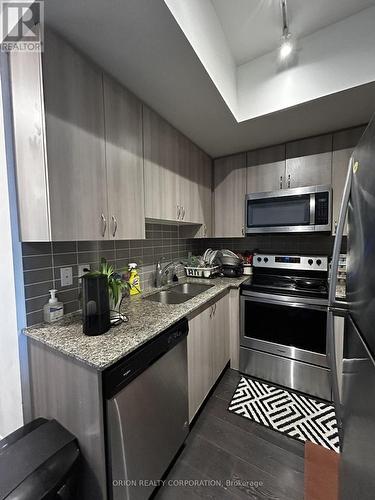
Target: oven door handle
274,302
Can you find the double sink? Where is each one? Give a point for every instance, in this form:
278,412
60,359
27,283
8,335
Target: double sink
178,294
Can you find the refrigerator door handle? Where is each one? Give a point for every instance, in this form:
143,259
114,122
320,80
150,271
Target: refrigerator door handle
338,240
332,362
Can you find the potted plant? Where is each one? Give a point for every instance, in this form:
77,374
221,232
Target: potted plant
116,286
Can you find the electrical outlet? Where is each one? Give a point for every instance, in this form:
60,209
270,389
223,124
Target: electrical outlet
66,274
82,269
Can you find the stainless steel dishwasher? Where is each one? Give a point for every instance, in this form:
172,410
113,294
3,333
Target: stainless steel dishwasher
146,413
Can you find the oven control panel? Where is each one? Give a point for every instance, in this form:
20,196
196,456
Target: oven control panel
301,262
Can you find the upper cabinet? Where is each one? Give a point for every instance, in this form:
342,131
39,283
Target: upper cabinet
124,161
87,180
160,168
74,120
266,169
177,175
229,195
309,162
344,143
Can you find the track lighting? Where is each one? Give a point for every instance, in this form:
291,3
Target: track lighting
287,45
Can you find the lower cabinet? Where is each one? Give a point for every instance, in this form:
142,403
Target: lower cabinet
208,351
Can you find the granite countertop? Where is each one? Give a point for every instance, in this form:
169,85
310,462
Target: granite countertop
147,319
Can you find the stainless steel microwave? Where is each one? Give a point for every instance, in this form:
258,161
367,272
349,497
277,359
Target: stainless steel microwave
306,209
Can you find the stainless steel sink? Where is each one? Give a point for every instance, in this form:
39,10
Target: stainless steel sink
178,294
168,297
191,288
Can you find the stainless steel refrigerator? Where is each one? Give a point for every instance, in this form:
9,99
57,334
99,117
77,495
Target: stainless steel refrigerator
356,409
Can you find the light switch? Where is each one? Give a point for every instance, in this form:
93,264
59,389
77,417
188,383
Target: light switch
66,274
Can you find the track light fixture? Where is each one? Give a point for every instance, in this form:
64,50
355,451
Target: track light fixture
287,44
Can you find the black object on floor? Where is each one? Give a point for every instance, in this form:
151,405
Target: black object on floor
39,460
296,415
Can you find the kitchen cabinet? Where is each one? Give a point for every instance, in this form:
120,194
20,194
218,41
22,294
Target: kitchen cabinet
266,169
174,168
59,137
196,192
160,168
124,162
208,351
199,360
344,143
205,193
229,195
80,134
309,162
220,336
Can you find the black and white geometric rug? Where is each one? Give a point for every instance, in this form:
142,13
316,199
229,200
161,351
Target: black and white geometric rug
295,415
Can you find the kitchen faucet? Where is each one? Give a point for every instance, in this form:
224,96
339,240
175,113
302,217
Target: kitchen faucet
161,271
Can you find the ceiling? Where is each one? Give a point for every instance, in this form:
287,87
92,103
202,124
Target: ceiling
254,27
140,44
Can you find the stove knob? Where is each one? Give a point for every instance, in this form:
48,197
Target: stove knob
318,262
259,259
265,259
311,262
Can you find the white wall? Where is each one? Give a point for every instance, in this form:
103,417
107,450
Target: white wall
201,26
11,415
330,60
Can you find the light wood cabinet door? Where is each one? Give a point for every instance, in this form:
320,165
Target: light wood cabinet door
161,167
199,344
205,194
266,169
124,162
73,91
309,162
229,196
29,144
220,336
187,197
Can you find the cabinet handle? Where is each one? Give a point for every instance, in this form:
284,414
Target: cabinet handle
114,220
183,213
281,181
211,311
335,227
215,308
243,230
104,224
289,181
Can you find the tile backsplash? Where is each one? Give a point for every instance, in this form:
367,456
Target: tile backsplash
299,244
42,263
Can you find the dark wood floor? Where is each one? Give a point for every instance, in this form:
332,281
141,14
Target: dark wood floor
260,463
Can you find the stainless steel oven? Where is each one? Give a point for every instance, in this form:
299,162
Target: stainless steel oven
283,337
305,209
290,327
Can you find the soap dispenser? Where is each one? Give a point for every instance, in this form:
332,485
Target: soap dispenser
53,310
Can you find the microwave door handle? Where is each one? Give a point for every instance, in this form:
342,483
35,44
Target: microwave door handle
338,239
312,208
